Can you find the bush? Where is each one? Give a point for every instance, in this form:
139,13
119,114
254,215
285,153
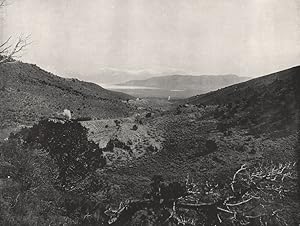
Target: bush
53,178
29,195
68,145
135,127
86,118
112,143
211,146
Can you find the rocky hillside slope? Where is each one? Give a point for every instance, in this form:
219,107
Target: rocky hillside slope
28,93
269,103
211,135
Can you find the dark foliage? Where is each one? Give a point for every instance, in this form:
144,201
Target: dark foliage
135,127
83,119
112,143
211,146
67,144
148,115
52,176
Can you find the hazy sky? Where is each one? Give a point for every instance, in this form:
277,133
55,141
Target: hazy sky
244,37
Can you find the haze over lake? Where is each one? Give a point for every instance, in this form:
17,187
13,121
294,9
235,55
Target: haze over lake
117,87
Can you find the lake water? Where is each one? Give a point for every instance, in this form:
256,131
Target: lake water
118,87
109,86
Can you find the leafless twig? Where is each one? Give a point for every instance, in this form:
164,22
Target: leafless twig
9,50
249,198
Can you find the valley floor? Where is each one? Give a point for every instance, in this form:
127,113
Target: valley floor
176,142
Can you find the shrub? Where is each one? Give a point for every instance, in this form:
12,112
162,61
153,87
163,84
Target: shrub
29,195
53,178
148,115
135,127
211,146
68,145
112,143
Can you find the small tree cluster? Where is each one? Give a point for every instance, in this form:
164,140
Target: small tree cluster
68,145
50,176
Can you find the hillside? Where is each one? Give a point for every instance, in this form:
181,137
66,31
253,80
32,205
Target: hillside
248,123
252,121
203,138
28,93
266,104
183,86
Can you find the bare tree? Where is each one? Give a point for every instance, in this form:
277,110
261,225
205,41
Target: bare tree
10,49
2,3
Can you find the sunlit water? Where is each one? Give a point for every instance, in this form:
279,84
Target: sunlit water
109,86
118,87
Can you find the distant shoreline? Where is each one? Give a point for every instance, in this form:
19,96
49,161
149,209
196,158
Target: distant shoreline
113,87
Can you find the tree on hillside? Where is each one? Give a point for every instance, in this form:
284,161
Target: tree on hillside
48,176
68,145
9,48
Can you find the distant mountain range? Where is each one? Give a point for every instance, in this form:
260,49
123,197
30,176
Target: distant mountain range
113,76
27,93
181,85
186,82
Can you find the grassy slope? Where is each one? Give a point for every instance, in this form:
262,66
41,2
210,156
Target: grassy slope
31,93
286,79
188,129
185,152
267,104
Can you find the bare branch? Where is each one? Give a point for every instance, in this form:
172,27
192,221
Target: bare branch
4,43
8,51
2,3
243,167
240,203
250,198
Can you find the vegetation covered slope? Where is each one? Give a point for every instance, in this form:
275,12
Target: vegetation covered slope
47,179
196,143
28,93
208,139
266,104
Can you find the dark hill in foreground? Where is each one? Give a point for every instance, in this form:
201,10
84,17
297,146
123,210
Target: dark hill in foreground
269,103
27,93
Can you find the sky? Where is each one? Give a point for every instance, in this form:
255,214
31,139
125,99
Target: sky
243,37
